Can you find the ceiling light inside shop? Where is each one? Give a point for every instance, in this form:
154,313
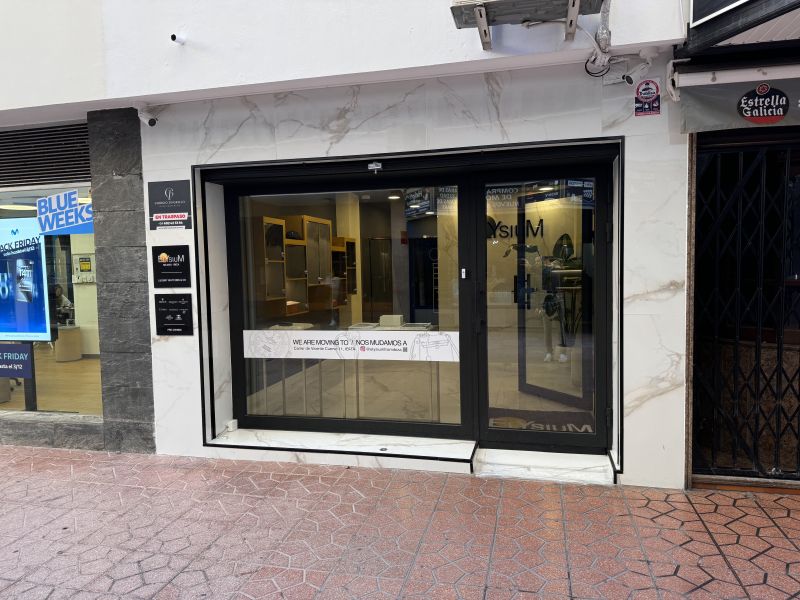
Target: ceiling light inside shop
413,206
429,212
546,188
394,197
17,207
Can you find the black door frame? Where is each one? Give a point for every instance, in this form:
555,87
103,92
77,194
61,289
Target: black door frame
467,168
598,442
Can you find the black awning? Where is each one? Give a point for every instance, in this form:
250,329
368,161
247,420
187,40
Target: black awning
715,21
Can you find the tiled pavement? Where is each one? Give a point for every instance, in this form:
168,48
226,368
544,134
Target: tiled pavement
83,525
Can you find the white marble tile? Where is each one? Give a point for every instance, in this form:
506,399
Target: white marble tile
376,451
211,131
351,120
350,442
471,110
655,213
512,107
550,466
654,406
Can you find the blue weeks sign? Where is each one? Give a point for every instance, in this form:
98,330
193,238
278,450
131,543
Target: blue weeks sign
62,214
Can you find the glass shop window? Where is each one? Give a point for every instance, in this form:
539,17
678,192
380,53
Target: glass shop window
351,304
49,345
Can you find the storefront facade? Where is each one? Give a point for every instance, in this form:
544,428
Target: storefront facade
86,380
281,165
481,269
738,91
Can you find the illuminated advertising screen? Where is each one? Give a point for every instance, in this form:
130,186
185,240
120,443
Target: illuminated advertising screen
24,314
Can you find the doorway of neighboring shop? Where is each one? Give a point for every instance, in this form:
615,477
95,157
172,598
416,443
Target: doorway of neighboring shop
746,342
360,301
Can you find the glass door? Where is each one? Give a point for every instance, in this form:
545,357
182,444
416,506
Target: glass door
546,253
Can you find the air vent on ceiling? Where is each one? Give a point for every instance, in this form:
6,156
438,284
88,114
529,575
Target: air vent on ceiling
44,155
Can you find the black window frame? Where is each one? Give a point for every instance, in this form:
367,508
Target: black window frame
466,167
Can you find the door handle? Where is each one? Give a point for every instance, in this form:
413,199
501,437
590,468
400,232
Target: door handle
480,301
528,291
516,290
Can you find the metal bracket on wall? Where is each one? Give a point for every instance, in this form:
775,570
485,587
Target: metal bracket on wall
483,27
484,14
573,8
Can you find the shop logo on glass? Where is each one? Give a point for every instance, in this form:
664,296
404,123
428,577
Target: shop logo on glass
169,193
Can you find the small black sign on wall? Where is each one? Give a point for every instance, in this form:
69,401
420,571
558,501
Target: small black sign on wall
171,267
174,314
170,204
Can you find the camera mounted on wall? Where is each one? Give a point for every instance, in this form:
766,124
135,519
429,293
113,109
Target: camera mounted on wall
147,117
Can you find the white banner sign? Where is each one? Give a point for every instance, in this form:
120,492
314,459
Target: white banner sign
383,344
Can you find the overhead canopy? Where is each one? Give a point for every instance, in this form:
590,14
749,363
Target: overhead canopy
705,10
764,103
717,22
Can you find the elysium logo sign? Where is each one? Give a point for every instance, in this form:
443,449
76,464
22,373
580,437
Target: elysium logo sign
764,105
164,258
498,229
171,267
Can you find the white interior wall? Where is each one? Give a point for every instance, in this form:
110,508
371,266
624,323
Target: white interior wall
468,110
219,305
85,298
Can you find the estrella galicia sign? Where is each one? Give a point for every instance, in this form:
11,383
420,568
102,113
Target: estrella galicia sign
764,105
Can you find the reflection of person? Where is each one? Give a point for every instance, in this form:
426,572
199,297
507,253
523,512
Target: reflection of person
62,302
63,306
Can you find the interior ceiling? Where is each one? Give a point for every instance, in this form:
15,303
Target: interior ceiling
326,197
785,27
31,195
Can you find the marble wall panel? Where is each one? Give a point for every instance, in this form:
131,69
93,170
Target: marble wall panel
525,106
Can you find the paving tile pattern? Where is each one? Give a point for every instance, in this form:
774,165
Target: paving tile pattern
91,525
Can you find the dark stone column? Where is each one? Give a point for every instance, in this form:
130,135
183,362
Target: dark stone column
115,148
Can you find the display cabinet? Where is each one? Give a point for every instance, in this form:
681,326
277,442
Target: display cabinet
274,267
305,267
296,277
315,233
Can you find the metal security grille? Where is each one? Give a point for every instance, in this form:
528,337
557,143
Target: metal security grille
746,417
44,155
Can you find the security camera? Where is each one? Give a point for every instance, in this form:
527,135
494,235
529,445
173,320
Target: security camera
632,76
178,38
147,118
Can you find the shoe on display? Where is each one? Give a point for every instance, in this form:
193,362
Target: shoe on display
548,357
